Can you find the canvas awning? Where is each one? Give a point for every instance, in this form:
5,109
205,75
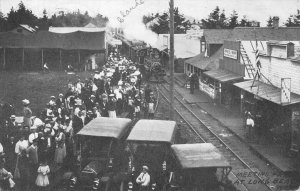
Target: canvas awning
223,75
153,131
201,155
106,127
266,91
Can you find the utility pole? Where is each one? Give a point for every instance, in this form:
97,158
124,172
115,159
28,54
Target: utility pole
171,59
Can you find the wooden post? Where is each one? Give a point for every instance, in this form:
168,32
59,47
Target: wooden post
4,60
79,60
60,64
23,59
172,59
42,59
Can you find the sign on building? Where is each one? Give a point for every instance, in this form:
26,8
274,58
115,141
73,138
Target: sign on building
230,53
285,90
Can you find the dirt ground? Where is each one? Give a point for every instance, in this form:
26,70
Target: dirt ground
35,86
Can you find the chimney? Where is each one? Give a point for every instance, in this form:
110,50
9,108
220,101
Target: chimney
275,22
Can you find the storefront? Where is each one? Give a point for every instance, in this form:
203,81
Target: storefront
218,84
275,119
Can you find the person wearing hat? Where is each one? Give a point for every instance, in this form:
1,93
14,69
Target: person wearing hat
143,180
33,135
27,113
103,105
112,106
12,128
52,101
32,153
60,151
60,100
89,117
90,103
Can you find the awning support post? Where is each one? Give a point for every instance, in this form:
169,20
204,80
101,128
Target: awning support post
60,64
42,58
23,59
4,59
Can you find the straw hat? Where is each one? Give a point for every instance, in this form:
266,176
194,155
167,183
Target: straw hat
25,102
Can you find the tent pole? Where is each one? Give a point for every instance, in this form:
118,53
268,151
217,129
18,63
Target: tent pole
78,59
60,64
23,59
42,59
4,60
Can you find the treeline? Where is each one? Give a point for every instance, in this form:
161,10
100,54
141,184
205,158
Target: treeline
24,15
217,19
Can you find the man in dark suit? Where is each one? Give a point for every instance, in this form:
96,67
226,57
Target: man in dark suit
103,106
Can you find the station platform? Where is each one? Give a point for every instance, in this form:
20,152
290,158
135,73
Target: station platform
274,154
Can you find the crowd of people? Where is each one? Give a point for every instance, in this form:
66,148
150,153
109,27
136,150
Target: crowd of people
32,149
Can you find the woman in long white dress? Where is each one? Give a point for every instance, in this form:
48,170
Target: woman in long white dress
60,151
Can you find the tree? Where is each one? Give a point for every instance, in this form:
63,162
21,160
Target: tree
245,22
3,22
215,20
233,20
21,16
270,22
293,20
159,23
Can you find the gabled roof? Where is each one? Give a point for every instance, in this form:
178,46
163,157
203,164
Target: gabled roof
184,46
75,29
217,36
90,25
206,63
28,28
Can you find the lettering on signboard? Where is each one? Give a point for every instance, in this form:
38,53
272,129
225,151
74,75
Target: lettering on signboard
230,53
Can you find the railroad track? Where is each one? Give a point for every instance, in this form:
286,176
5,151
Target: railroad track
241,158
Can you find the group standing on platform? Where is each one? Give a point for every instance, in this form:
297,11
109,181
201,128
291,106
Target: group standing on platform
33,150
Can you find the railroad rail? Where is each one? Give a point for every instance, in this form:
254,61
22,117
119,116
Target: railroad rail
234,150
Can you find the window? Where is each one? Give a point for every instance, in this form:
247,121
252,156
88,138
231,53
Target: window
166,41
19,30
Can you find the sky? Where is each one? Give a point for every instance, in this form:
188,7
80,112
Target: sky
254,9
259,10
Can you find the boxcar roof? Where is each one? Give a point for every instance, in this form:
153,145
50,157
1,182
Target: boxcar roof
153,131
199,155
106,127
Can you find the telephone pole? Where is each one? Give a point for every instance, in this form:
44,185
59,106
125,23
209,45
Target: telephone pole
171,59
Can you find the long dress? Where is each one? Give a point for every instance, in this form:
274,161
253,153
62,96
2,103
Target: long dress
60,151
27,116
42,178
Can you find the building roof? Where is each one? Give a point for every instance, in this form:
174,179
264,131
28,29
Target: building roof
184,46
28,28
75,29
45,39
200,155
266,91
153,131
106,127
223,75
217,36
90,25
206,63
